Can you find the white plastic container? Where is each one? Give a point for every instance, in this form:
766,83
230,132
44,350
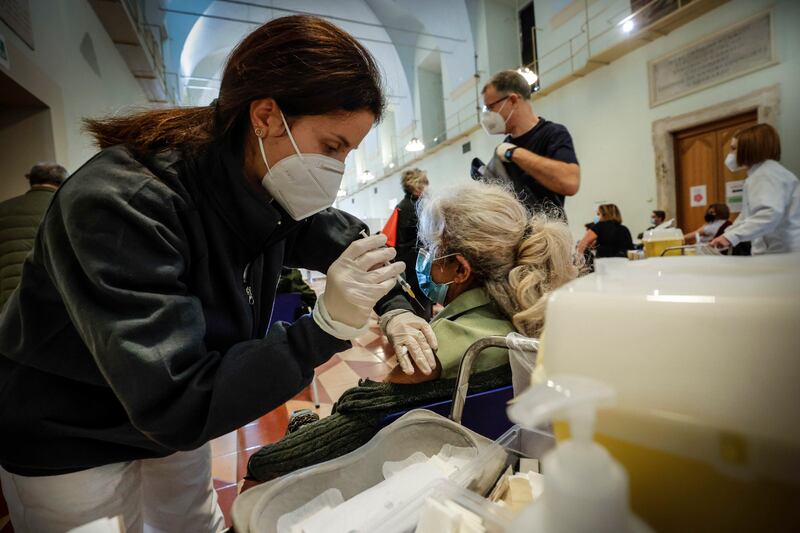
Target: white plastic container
704,355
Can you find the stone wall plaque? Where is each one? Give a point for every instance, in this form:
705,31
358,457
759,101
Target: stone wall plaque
727,54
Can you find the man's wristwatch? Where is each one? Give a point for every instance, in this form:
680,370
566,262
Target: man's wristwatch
509,153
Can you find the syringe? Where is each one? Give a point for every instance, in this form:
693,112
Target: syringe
401,280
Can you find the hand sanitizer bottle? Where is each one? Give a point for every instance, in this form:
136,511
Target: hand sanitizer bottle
585,489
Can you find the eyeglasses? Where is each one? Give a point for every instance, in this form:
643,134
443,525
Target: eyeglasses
426,257
488,107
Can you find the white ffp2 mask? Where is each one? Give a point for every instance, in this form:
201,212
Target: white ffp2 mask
731,163
493,122
303,184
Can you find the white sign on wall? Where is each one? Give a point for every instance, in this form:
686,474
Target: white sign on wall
734,195
698,196
732,52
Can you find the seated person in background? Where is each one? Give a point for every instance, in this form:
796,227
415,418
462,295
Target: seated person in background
291,281
492,265
716,218
608,235
656,219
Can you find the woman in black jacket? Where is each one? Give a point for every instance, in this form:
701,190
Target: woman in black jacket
414,182
609,237
139,328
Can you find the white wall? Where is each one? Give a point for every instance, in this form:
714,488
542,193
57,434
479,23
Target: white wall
610,119
57,73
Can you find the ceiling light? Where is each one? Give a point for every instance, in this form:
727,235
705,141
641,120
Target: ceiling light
627,25
391,164
529,75
415,145
366,176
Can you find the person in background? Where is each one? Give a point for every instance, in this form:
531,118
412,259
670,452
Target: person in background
656,219
717,222
414,182
770,216
19,220
537,156
609,237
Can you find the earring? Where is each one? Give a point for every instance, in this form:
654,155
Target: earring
259,132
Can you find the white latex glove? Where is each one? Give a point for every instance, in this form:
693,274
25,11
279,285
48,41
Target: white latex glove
355,282
501,150
412,337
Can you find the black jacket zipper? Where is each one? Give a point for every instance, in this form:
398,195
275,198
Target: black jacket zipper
248,290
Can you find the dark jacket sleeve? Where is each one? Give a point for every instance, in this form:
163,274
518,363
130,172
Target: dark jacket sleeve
321,241
118,262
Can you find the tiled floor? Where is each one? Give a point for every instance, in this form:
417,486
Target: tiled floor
370,357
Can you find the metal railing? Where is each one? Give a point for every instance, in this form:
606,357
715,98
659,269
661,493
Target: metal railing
583,40
152,36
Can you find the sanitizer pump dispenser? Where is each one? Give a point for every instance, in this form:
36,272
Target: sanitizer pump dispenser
585,489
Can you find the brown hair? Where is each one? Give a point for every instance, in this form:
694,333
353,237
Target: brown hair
413,180
47,173
308,65
756,144
721,211
610,212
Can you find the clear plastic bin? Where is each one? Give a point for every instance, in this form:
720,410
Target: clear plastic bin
525,443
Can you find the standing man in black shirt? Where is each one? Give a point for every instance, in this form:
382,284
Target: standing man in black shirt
537,155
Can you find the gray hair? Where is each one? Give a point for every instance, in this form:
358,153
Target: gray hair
509,81
47,173
518,257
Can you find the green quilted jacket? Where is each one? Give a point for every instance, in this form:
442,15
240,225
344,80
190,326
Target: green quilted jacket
19,219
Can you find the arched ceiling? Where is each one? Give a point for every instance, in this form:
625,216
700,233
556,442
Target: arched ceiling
399,33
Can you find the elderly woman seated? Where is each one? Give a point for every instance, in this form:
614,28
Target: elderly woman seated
492,265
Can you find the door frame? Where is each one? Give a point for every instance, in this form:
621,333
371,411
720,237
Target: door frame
764,101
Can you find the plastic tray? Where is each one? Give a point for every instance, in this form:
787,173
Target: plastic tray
359,470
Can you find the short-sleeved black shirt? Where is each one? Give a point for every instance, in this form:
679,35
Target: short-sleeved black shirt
546,139
613,239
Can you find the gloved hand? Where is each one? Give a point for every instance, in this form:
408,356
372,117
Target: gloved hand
501,151
355,282
410,334
721,243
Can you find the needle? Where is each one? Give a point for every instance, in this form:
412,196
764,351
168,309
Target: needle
403,283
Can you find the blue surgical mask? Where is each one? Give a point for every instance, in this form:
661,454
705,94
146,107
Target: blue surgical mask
435,292
596,219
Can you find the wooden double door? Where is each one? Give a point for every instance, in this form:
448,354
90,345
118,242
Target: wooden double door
700,167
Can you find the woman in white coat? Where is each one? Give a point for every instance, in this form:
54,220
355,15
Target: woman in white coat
770,216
